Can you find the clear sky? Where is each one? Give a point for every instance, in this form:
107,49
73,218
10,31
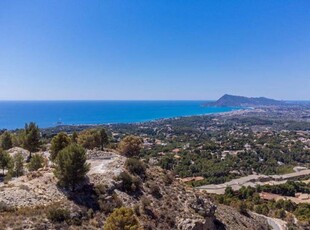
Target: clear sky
171,49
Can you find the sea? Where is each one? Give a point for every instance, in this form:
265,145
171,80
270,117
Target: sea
14,114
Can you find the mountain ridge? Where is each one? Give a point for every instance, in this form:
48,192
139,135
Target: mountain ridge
228,100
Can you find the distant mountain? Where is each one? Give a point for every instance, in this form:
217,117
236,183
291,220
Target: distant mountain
232,101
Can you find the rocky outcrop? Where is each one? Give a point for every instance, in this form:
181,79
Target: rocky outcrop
35,189
232,219
15,150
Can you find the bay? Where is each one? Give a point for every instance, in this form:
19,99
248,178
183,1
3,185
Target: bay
14,114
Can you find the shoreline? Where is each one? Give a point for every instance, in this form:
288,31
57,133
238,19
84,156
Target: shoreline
229,113
226,113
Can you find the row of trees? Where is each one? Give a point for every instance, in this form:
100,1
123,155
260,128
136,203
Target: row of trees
28,138
67,152
89,139
247,198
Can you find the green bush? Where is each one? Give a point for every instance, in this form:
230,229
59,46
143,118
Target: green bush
302,212
242,208
36,162
89,139
130,146
58,215
129,183
122,219
135,166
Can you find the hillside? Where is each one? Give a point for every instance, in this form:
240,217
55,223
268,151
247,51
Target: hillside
159,202
239,101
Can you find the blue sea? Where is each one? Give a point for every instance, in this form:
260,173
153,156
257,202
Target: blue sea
14,114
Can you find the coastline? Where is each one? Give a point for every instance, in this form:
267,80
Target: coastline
102,113
229,113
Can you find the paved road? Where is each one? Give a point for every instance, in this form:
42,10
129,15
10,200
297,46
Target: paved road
252,181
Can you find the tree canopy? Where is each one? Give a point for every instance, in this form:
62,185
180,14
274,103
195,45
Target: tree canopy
71,166
89,139
6,161
36,162
130,146
104,139
32,137
6,141
59,142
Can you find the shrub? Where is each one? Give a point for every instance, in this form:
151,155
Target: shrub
36,162
122,218
129,183
242,208
280,214
58,215
302,212
167,162
135,166
145,202
130,146
24,187
168,179
5,208
90,139
155,190
229,192
107,199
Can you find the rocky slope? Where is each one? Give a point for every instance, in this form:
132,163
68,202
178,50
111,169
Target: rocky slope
160,202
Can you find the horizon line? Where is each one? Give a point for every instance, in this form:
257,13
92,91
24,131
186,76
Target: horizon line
79,100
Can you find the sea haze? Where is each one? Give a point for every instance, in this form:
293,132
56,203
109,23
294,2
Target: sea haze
14,114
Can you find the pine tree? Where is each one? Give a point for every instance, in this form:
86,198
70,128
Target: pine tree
36,162
74,137
6,141
71,166
5,161
104,139
59,142
32,138
18,165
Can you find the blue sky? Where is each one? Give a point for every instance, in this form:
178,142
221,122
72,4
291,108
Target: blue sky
172,49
